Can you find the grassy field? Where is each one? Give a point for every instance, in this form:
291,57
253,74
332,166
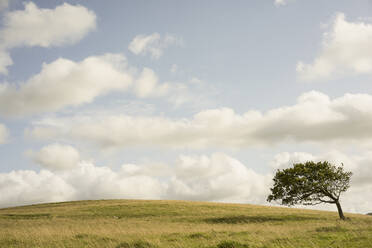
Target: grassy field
139,224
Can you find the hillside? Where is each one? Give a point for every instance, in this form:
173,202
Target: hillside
134,223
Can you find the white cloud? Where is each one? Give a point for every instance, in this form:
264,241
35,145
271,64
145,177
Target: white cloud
66,24
216,178
3,134
153,44
314,118
27,187
141,43
56,157
147,85
280,2
346,50
65,83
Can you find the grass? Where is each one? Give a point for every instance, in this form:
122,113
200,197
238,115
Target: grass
148,224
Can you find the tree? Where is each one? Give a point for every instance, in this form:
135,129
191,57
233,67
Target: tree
310,183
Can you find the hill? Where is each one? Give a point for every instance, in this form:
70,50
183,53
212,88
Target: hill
139,224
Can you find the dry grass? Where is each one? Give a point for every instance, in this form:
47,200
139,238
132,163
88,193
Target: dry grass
132,223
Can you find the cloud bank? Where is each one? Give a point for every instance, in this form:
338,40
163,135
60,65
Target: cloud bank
314,118
215,178
346,50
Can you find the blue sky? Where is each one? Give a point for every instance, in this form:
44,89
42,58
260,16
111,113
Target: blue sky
195,100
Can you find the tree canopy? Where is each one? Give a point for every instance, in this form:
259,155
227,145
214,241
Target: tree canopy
310,183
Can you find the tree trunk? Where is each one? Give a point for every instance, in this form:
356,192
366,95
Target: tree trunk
340,213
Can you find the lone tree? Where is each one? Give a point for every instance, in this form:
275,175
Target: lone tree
310,183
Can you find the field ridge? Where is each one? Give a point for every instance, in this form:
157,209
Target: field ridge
165,223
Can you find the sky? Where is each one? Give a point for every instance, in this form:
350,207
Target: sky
190,100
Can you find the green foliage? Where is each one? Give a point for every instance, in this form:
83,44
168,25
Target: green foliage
310,183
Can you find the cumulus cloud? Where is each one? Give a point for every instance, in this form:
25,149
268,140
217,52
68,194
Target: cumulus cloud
314,118
27,187
346,50
64,83
215,178
33,26
147,85
218,177
66,24
56,157
354,199
153,44
3,134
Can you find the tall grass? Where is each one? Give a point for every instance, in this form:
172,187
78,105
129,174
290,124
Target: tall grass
137,224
